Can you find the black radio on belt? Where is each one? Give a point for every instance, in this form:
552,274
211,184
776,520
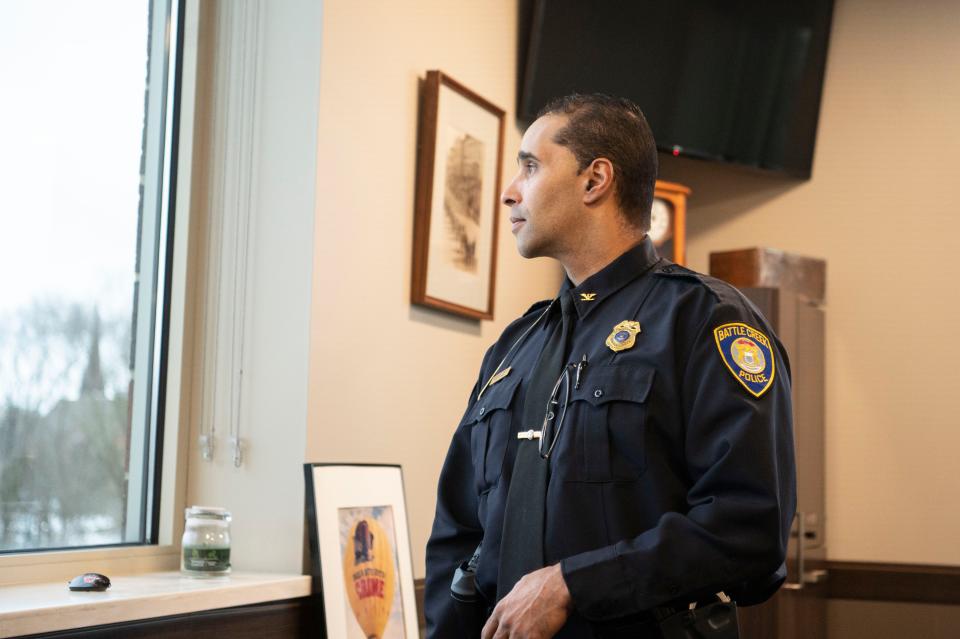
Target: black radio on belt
717,620
469,603
464,585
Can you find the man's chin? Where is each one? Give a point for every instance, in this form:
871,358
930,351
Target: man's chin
526,250
529,247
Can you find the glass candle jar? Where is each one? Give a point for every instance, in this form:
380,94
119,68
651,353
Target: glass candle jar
206,542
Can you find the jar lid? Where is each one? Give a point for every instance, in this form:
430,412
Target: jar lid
211,512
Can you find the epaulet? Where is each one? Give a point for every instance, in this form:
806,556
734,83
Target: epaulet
666,267
537,306
524,321
722,291
513,330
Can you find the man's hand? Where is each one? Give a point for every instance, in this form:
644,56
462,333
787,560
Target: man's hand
536,608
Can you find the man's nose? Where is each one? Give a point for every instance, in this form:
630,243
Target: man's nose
510,195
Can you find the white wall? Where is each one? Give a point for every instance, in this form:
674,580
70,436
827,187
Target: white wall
388,382
265,494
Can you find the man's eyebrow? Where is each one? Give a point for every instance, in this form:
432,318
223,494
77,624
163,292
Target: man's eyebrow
526,155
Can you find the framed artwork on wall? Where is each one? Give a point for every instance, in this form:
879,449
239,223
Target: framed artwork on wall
360,550
459,158
668,221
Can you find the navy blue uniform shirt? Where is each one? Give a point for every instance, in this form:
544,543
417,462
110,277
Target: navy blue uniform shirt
673,475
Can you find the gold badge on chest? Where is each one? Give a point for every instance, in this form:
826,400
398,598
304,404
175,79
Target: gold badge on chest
623,336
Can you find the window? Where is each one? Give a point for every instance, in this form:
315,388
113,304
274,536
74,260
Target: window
87,126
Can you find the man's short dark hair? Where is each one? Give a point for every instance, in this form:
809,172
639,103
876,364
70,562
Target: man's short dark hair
613,128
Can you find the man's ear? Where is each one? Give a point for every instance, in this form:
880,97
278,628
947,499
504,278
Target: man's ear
599,182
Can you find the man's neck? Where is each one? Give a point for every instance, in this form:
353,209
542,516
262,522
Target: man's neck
592,257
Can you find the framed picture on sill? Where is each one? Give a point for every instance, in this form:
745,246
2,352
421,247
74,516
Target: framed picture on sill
668,221
459,159
360,550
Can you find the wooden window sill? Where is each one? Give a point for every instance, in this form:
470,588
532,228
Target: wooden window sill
48,607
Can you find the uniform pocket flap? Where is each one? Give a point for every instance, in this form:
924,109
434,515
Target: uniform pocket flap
496,397
617,383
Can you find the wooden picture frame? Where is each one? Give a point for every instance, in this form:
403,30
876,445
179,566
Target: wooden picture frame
459,162
668,223
360,555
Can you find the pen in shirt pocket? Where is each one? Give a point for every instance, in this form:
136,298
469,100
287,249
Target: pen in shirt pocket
580,366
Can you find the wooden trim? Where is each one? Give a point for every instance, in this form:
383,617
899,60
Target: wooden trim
868,581
676,195
427,141
419,586
918,583
286,619
673,186
767,267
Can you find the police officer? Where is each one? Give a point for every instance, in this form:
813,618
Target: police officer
628,446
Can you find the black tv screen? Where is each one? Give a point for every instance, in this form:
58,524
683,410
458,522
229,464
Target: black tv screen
735,81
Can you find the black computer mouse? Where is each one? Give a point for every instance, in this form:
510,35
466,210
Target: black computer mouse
90,581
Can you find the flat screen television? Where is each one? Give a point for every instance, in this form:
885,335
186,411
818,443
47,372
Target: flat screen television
735,81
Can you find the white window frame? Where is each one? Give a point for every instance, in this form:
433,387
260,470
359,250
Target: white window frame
250,89
42,565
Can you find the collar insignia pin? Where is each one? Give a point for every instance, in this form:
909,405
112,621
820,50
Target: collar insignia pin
623,336
587,297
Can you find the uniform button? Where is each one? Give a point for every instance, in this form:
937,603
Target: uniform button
668,269
483,409
598,393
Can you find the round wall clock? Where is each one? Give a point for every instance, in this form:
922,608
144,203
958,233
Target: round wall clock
661,222
668,217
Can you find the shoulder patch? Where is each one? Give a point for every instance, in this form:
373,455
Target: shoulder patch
748,355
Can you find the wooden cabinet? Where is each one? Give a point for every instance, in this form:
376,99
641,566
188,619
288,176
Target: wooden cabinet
790,291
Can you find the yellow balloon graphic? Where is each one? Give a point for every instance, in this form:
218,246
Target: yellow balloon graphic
370,576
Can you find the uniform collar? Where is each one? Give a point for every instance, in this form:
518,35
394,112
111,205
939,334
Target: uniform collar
611,278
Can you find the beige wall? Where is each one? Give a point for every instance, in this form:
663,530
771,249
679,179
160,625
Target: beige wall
388,382
882,209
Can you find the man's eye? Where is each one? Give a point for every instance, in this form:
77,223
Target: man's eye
529,167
